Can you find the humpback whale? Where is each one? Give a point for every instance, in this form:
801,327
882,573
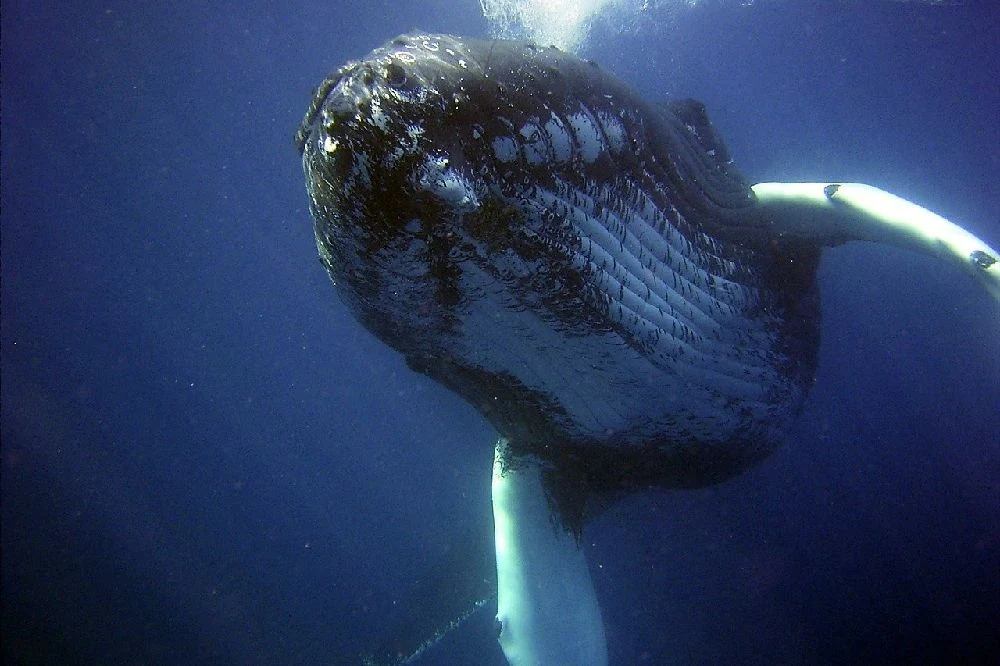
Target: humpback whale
592,273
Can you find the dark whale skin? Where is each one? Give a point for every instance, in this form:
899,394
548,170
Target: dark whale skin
568,257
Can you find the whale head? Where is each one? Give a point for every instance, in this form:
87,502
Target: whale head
413,158
527,231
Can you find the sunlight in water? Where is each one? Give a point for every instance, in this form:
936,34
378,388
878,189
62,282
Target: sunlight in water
566,23
562,23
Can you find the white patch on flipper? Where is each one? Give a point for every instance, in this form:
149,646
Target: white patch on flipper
546,602
832,213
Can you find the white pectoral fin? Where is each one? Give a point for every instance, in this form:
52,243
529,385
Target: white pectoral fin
546,605
836,212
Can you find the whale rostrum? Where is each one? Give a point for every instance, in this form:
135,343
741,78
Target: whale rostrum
591,272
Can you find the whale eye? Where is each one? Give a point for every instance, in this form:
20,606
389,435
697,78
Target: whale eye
395,75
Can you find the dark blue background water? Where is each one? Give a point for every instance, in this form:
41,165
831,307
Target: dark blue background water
206,461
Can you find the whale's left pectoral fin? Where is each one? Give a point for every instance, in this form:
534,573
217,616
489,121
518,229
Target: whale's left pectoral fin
546,606
833,213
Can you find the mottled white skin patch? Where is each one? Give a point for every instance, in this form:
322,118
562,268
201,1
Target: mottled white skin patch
613,130
534,145
504,149
588,136
562,143
448,185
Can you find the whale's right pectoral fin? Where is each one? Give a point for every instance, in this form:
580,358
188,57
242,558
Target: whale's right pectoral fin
546,606
832,213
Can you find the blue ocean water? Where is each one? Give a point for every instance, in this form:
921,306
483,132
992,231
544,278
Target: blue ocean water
205,460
